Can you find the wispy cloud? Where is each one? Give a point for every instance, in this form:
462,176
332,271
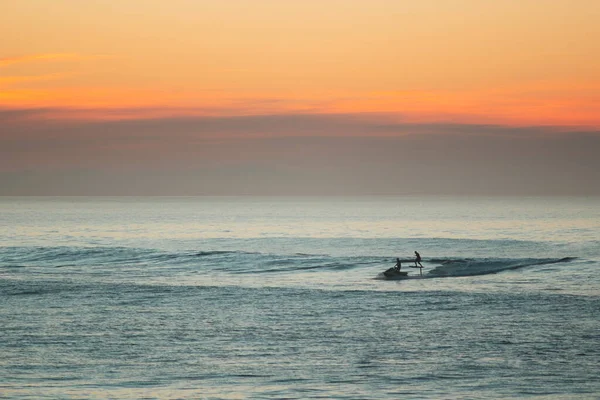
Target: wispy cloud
278,125
13,80
50,57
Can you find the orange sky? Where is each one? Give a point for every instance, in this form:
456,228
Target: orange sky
213,97
525,62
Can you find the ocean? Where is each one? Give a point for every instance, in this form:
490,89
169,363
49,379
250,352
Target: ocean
284,297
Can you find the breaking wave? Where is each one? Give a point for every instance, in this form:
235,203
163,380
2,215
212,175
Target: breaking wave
473,267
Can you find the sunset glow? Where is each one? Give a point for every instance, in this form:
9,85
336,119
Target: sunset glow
510,64
513,62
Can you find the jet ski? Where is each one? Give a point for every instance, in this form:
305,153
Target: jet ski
393,273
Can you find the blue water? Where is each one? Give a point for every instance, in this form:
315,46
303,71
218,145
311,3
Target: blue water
244,297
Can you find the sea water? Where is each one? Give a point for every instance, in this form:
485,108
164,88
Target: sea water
247,297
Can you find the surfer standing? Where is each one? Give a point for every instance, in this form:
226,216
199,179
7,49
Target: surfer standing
418,259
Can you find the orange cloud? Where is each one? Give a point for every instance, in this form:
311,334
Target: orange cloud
507,106
46,58
13,80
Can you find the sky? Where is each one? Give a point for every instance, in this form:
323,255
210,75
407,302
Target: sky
299,97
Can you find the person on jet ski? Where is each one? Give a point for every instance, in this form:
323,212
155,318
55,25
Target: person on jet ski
398,265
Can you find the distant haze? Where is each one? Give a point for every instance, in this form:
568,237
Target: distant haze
293,155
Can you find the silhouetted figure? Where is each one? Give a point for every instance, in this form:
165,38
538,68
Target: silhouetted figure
418,259
398,265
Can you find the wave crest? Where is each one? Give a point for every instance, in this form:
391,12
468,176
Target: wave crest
474,267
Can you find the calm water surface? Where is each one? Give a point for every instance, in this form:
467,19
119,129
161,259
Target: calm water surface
244,297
